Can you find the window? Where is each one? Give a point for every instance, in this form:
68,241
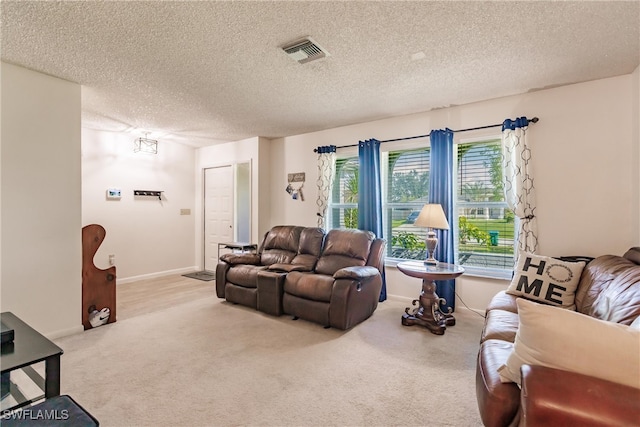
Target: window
483,229
486,226
343,206
407,192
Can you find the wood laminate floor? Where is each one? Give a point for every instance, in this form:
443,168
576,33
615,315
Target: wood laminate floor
146,296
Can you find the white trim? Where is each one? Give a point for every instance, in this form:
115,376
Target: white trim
191,269
486,138
488,273
347,152
409,144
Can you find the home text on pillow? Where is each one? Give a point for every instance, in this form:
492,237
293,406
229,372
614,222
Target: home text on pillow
536,286
546,280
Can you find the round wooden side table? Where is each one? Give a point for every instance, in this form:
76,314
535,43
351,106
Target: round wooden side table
428,312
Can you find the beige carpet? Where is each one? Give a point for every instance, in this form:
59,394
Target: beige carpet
210,363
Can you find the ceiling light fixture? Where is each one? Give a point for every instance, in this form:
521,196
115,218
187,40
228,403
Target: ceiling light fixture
145,145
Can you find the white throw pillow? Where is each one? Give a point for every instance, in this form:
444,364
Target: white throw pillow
571,341
547,280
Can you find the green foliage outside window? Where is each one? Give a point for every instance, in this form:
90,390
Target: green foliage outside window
468,231
509,216
349,175
408,241
411,184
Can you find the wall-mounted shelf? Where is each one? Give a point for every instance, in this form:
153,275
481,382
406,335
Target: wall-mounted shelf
152,193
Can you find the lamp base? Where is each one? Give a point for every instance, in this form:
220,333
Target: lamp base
431,243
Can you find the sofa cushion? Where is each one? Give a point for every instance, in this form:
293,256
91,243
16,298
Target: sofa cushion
498,402
571,341
316,287
244,258
284,268
311,240
610,289
547,280
633,255
500,325
344,248
244,275
503,301
280,244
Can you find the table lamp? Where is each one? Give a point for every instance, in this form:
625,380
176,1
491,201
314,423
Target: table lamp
432,216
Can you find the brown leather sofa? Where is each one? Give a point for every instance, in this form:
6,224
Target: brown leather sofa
609,289
333,279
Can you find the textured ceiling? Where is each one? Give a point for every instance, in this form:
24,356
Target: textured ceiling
201,72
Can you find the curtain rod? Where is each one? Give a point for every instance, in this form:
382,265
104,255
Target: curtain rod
533,120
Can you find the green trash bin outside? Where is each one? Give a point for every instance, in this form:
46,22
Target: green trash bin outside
493,237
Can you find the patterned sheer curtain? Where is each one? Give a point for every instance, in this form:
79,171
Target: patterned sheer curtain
441,191
518,182
370,195
326,175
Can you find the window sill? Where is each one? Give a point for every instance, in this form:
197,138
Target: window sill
488,273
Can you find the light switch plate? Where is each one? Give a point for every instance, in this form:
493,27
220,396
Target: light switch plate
114,193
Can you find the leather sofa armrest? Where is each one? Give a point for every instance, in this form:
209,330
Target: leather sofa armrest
246,258
555,397
287,268
356,273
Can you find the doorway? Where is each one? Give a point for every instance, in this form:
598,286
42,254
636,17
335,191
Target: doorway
227,209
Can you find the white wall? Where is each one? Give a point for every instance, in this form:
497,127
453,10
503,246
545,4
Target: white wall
264,163
635,179
149,237
583,153
41,221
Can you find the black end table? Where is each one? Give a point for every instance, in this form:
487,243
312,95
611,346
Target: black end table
28,347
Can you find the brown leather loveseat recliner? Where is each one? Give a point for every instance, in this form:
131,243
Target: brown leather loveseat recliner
333,279
344,288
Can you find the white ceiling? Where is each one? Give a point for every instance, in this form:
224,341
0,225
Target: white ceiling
205,72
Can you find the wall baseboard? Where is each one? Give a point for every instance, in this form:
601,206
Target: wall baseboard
157,274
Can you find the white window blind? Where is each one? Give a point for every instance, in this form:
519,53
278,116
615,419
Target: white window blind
407,192
485,226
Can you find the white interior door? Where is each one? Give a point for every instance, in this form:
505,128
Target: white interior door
218,212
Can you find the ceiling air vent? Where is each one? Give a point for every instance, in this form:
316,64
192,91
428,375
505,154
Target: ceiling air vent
305,50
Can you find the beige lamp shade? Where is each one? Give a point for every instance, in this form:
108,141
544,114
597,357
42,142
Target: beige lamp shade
432,216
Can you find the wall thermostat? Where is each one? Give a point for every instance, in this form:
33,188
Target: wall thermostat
114,193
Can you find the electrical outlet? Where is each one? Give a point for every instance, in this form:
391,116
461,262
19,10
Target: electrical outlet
185,211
